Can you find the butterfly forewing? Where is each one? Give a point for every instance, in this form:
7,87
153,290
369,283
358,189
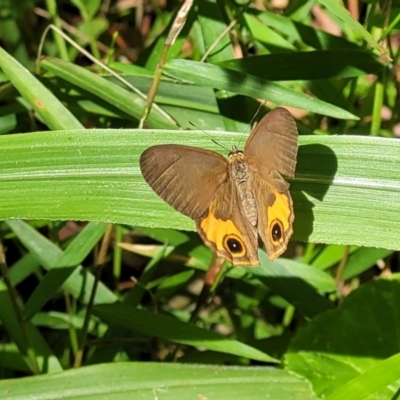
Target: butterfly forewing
270,151
272,145
187,178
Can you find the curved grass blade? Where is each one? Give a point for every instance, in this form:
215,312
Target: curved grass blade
337,8
222,78
50,109
128,102
164,327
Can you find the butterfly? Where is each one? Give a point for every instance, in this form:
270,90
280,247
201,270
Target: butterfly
233,200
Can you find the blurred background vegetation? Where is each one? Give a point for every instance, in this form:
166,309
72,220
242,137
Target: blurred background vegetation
99,274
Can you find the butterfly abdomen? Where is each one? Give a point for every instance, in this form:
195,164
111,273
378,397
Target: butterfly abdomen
240,176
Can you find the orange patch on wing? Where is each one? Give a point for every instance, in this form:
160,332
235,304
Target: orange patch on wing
281,210
216,229
214,232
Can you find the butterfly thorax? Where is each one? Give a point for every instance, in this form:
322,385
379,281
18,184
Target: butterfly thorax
239,172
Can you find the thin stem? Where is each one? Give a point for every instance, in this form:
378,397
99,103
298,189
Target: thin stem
117,259
94,60
62,48
176,27
340,270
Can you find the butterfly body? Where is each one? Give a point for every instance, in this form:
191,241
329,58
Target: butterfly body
233,200
239,173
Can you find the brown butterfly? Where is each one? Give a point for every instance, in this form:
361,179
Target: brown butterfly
233,200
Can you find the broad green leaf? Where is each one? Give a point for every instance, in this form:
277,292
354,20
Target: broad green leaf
338,346
341,181
152,381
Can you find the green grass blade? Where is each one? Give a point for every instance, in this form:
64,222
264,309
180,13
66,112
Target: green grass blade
171,329
213,28
328,256
46,359
371,381
337,8
341,182
24,267
289,284
51,110
298,32
363,259
126,101
74,254
79,284
253,86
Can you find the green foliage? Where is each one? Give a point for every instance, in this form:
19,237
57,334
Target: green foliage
69,149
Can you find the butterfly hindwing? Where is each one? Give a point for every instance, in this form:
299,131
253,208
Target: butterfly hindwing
227,231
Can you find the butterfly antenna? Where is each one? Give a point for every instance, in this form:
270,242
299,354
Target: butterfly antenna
250,124
212,139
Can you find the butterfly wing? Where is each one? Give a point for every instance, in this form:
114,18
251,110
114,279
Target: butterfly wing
187,178
275,216
271,151
272,145
227,231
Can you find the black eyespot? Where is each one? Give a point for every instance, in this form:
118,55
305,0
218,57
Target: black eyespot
276,232
234,245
